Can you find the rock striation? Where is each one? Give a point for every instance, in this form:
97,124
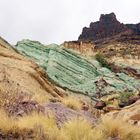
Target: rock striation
74,72
106,27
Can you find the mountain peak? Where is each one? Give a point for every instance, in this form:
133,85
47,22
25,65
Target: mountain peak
108,17
106,27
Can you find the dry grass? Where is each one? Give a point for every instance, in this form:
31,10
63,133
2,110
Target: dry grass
72,102
36,119
6,123
40,98
79,129
43,127
40,127
37,126
117,128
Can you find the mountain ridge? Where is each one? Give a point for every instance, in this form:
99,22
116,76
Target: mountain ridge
107,26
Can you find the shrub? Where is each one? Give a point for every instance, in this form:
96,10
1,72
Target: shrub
101,58
124,97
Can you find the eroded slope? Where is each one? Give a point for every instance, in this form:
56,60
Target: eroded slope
77,73
19,75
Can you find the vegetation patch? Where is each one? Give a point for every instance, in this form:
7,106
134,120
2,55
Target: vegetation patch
101,58
37,126
124,97
72,102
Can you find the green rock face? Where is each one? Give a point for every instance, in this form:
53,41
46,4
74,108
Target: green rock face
74,72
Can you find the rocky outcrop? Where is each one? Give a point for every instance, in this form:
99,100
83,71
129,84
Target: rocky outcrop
107,27
100,105
134,27
130,114
76,73
85,48
21,77
64,114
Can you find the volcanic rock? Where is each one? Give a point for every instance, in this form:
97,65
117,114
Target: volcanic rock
106,27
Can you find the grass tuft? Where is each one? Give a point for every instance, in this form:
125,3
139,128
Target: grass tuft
77,129
6,123
117,128
72,102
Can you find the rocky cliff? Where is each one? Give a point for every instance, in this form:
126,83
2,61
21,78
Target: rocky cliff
85,48
106,27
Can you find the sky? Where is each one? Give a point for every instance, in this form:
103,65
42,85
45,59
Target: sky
56,21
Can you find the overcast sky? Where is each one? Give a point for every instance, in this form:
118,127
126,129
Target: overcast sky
54,21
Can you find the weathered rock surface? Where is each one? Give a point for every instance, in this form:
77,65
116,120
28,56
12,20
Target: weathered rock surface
100,105
84,48
21,108
21,76
64,114
106,27
130,113
125,55
76,73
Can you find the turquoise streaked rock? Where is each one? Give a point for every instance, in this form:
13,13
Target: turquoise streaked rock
74,72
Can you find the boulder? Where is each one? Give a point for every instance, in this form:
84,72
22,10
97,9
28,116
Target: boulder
100,105
63,114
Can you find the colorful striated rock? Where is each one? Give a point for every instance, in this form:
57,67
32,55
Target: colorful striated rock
75,72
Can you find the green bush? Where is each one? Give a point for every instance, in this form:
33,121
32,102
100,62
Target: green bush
101,58
124,97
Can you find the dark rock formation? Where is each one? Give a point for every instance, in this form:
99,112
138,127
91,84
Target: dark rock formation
100,105
106,27
134,27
